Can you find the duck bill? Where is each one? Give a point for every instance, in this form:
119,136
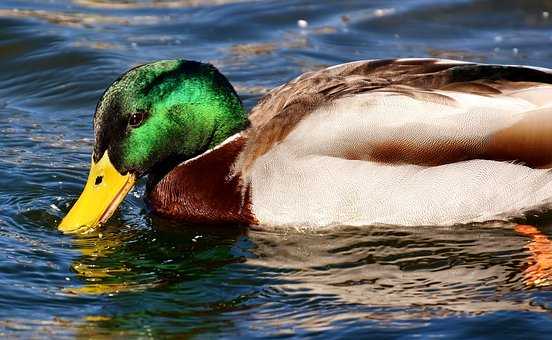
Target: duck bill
102,194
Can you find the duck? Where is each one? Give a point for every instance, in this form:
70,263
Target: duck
408,142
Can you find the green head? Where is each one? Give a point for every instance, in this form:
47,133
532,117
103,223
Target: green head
152,117
169,109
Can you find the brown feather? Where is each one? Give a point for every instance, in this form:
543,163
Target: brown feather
428,154
280,110
529,141
201,190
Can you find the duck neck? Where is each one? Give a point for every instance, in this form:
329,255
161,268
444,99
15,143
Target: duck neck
202,189
220,134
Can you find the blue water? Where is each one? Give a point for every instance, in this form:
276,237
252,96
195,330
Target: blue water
147,277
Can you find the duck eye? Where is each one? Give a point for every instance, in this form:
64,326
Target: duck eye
136,119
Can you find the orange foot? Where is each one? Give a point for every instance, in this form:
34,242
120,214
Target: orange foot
539,273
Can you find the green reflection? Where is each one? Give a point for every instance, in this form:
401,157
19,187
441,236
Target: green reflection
123,258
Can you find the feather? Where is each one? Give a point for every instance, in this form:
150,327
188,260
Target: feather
459,85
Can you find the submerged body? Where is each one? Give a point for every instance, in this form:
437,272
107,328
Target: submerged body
404,142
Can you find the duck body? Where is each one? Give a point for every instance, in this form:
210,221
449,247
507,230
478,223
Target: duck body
401,142
398,142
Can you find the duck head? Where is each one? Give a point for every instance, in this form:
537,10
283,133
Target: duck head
153,117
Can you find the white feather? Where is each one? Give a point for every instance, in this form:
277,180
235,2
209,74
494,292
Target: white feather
305,179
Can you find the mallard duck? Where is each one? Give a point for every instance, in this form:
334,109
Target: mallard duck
399,142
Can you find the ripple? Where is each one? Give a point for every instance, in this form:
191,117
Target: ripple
151,4
144,276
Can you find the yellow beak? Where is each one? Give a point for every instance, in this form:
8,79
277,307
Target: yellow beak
104,191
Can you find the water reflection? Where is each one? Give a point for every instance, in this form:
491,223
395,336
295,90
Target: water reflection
370,273
539,270
148,277
124,258
452,270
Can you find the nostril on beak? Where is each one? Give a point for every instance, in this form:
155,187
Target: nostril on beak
99,180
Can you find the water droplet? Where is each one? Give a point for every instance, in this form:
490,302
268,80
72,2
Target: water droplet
380,12
302,23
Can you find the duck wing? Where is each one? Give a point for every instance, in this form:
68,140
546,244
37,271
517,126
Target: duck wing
409,111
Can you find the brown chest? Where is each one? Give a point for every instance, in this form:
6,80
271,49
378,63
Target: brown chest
201,190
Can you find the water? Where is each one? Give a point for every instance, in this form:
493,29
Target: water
144,276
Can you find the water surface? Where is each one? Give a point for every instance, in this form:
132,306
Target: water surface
144,276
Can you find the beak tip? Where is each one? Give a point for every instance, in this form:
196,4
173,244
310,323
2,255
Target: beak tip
98,201
67,227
